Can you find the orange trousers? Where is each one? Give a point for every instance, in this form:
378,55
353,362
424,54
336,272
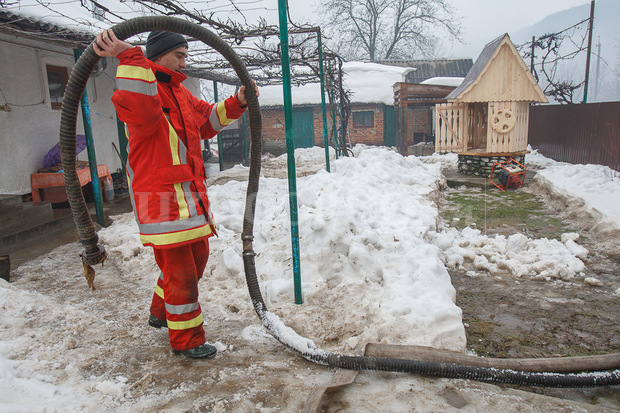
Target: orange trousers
176,294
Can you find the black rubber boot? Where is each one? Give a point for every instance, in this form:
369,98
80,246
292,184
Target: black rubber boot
156,322
203,351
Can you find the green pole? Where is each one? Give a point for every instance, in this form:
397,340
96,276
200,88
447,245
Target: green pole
290,149
90,150
220,154
322,73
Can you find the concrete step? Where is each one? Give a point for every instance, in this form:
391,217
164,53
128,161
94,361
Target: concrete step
15,235
8,202
24,212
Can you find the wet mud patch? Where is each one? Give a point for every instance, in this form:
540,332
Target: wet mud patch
510,317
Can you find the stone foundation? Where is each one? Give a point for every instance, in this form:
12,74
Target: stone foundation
481,165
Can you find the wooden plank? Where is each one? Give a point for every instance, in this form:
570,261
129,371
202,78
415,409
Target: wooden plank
550,364
341,379
437,130
527,127
462,114
450,133
490,143
513,134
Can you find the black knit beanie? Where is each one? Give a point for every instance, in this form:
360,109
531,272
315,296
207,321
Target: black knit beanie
160,43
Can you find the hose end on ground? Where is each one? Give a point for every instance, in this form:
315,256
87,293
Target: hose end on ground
90,258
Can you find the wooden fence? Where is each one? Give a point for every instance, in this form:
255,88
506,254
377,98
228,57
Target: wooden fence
494,127
584,133
450,124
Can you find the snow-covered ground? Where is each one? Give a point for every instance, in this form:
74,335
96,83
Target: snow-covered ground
374,261
594,188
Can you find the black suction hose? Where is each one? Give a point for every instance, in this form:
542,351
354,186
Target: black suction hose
94,253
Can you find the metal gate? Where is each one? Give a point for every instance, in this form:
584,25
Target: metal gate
303,127
389,126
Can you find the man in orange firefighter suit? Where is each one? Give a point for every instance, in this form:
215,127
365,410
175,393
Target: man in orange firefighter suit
165,124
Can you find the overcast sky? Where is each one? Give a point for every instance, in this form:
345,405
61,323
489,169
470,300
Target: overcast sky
483,20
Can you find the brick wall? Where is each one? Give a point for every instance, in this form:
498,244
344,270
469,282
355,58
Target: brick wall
364,134
417,120
274,132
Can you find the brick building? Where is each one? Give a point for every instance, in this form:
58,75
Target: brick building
415,97
372,120
415,109
369,124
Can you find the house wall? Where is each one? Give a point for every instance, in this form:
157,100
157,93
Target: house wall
31,127
274,132
417,121
367,135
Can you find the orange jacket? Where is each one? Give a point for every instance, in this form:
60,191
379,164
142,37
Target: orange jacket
165,123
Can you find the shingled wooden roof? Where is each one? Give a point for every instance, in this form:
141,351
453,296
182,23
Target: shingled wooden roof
498,75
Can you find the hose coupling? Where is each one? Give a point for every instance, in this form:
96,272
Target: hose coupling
247,242
94,258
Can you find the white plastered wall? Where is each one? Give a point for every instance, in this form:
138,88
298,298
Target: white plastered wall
31,127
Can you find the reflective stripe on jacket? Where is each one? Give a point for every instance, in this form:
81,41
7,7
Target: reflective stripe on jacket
165,123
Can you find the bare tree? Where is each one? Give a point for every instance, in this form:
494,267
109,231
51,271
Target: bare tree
387,29
551,49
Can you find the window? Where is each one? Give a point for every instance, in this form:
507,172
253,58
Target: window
57,77
363,119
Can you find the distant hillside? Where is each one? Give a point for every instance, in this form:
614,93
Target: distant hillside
604,82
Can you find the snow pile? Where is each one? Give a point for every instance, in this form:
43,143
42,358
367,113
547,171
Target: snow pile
519,255
363,253
596,188
446,160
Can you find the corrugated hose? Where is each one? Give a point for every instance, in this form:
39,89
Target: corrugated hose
95,254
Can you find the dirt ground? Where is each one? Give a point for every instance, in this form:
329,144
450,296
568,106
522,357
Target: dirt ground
520,318
109,337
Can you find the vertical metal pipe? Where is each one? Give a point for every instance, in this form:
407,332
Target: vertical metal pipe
220,153
322,74
591,26
90,149
290,149
333,102
532,56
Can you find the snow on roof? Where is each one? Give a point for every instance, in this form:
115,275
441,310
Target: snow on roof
368,82
443,81
72,15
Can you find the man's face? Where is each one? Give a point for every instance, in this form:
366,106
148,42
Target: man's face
174,60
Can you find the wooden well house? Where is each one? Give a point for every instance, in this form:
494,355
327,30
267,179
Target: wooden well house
486,117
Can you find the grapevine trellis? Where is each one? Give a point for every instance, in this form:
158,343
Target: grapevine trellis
257,44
